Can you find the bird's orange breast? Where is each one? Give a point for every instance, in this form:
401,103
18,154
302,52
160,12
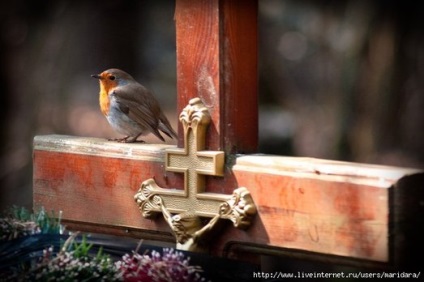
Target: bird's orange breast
105,88
104,102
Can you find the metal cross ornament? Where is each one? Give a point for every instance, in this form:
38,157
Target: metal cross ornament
183,209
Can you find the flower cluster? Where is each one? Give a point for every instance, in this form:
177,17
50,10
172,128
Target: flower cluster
67,266
19,222
76,261
171,266
11,228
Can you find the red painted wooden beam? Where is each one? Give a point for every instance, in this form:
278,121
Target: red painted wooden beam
336,208
217,61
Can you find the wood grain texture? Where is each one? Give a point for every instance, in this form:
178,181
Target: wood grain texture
319,206
315,213
90,182
217,61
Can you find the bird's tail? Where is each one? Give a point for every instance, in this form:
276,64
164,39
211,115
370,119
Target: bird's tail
166,127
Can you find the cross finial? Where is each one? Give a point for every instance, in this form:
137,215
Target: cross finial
195,116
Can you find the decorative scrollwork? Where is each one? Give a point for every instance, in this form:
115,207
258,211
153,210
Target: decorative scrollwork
240,208
147,201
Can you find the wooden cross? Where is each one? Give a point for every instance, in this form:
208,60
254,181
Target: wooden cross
307,207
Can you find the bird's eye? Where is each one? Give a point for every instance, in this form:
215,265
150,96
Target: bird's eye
112,77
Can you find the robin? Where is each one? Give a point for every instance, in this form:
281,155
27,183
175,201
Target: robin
130,108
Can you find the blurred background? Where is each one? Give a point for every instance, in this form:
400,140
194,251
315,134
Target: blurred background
341,79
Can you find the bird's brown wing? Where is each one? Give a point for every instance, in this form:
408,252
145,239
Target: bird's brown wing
140,107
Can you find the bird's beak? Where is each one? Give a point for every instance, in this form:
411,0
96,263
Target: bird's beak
96,76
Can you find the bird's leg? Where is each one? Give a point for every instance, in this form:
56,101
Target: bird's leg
132,139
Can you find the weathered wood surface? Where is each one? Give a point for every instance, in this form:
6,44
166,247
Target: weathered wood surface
314,205
217,61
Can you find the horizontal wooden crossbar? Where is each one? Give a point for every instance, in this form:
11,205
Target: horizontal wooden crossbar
352,210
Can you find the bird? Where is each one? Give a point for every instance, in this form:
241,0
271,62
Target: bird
130,108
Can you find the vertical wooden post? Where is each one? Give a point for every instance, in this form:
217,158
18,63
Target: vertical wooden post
217,61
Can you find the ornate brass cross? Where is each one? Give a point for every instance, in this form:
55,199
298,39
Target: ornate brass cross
193,202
